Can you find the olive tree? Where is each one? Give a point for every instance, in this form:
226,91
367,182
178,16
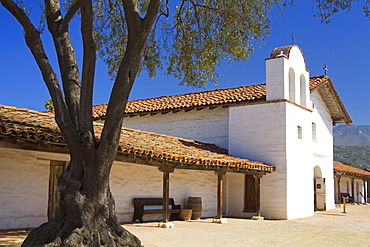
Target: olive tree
325,9
187,39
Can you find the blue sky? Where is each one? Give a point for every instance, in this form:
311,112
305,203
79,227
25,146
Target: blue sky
344,45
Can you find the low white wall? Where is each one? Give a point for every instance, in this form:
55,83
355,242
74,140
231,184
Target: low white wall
132,180
210,126
24,189
24,182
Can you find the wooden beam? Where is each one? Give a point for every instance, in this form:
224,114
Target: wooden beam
189,109
177,110
154,113
165,111
201,107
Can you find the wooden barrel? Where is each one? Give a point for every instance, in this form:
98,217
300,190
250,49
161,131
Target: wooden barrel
185,214
195,203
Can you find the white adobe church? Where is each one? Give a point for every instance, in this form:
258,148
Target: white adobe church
291,129
263,149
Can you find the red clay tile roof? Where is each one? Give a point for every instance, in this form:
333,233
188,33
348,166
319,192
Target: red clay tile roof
316,81
33,125
351,171
211,98
24,123
190,100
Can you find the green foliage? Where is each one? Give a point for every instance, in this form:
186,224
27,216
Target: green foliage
189,38
348,163
327,8
357,156
49,105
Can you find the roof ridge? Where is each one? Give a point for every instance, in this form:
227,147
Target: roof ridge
192,93
25,110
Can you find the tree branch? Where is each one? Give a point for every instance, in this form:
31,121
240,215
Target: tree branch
151,14
66,60
137,35
88,67
133,18
34,42
69,15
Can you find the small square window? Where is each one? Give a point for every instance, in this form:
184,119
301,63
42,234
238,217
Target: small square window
299,132
314,131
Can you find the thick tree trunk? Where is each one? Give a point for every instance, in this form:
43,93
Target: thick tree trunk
86,216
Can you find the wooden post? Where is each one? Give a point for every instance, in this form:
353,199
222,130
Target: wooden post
220,175
353,190
166,190
258,193
365,191
338,190
166,195
344,205
219,196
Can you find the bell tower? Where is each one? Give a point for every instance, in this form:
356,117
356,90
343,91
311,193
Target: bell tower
287,76
278,132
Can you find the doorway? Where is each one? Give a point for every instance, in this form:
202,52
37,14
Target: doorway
319,190
250,194
56,169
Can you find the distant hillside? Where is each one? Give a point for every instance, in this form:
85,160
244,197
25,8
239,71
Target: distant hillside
352,135
358,156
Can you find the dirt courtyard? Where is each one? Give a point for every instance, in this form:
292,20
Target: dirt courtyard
331,228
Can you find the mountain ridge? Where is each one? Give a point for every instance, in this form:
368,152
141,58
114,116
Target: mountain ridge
351,135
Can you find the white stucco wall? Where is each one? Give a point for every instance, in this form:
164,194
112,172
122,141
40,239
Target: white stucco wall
300,192
257,134
269,133
210,126
24,189
24,182
132,180
322,147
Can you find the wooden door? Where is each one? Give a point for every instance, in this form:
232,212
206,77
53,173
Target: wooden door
56,169
319,191
250,205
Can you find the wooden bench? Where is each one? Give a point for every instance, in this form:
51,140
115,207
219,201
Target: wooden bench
146,206
347,196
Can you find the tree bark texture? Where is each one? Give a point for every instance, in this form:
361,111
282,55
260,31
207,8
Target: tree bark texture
86,215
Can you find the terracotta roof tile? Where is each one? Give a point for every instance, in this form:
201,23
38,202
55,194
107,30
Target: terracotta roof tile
32,125
228,96
315,81
340,167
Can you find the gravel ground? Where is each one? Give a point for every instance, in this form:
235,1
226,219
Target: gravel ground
331,228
